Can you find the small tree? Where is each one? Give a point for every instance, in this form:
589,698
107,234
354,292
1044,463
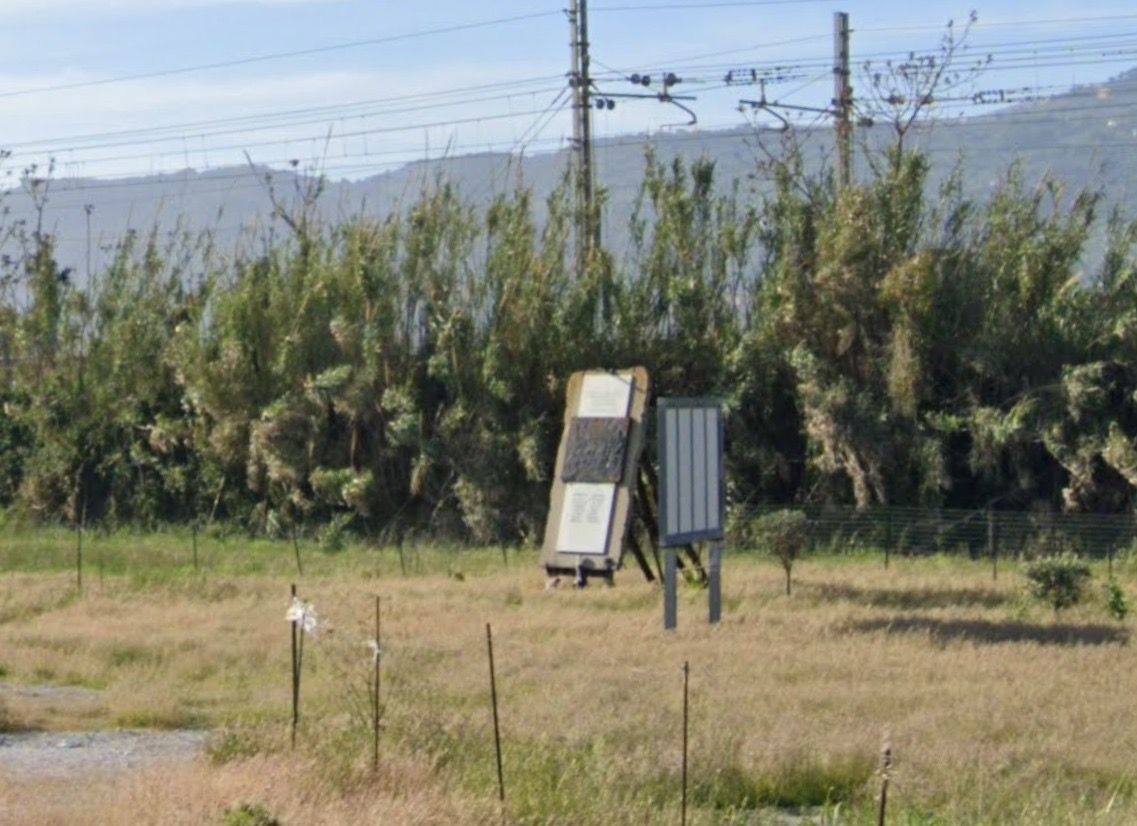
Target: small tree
1058,580
784,535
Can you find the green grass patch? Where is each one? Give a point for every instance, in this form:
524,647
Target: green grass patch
235,744
166,719
799,783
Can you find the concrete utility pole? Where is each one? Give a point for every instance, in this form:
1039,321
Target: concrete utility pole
842,99
588,229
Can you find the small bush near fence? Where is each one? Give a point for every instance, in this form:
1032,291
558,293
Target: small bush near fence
1058,580
784,535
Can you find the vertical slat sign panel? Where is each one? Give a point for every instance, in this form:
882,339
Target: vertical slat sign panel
682,477
669,456
712,422
691,492
691,471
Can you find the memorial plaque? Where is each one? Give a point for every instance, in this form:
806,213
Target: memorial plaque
605,396
596,450
585,518
590,500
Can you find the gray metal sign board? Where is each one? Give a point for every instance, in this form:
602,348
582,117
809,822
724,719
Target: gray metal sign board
692,504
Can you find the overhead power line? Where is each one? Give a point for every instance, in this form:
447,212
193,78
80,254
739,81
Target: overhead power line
244,61
1053,21
334,111
1011,55
713,5
323,119
357,133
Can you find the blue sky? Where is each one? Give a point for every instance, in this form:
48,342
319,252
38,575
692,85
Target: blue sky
344,112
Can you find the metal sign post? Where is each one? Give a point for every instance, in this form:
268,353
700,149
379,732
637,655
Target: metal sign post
714,583
691,492
670,590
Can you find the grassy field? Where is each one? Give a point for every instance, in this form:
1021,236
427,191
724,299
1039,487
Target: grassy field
998,710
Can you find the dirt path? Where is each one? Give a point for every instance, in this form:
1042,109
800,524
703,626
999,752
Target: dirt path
61,755
78,754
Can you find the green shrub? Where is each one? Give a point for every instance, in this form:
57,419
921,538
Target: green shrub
1115,602
249,814
784,534
1058,580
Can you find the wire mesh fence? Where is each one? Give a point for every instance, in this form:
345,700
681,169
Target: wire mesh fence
976,533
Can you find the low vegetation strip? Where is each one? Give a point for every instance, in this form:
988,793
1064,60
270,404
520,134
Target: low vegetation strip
1000,710
893,341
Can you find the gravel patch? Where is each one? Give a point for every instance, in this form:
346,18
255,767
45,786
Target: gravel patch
77,754
70,695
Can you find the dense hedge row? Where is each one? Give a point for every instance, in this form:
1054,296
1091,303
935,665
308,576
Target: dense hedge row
879,345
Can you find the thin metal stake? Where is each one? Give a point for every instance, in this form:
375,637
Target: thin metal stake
79,545
885,768
295,674
296,551
79,558
686,675
195,562
993,545
496,726
375,705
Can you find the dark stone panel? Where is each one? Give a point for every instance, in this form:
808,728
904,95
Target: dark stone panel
596,450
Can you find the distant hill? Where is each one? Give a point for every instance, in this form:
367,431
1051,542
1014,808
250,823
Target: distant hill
1085,137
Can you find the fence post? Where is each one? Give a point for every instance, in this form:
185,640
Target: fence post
888,535
496,726
375,699
686,676
295,673
992,547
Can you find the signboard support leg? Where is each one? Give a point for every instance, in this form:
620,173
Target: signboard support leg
670,590
696,563
715,582
638,553
649,515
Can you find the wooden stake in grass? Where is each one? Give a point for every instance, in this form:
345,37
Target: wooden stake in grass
496,726
885,768
686,677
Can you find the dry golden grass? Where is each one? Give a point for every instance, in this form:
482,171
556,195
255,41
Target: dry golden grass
201,793
999,712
